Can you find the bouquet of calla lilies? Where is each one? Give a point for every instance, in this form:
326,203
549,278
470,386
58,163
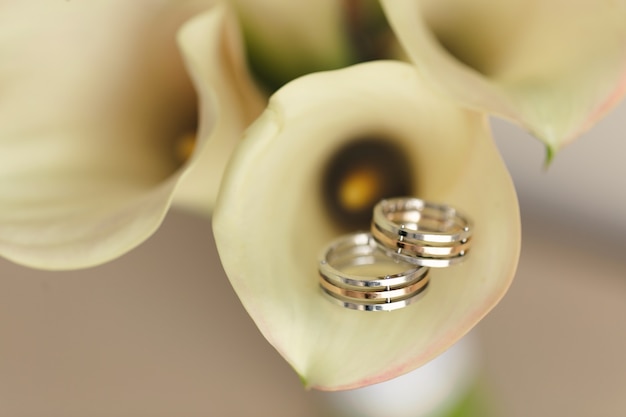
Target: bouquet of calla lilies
285,123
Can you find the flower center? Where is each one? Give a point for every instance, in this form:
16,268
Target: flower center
183,133
361,174
184,146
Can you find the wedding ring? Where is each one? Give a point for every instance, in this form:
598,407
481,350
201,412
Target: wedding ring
352,251
342,281
364,306
420,232
385,295
418,220
421,250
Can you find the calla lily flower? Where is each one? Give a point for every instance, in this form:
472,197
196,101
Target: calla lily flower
95,102
304,172
553,67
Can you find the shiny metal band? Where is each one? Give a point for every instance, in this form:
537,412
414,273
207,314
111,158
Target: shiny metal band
416,249
364,292
422,233
361,249
386,295
386,306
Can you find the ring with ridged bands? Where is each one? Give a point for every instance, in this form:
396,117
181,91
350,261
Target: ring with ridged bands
385,295
364,306
397,288
420,232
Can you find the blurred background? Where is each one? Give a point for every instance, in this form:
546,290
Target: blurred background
159,331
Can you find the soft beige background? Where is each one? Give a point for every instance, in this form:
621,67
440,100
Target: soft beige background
160,333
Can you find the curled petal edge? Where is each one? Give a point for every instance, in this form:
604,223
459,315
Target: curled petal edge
228,101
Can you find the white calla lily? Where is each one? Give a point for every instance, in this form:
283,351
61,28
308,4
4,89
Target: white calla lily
553,67
95,97
275,214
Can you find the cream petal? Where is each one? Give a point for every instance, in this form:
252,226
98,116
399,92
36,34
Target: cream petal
271,221
553,67
94,95
288,38
228,101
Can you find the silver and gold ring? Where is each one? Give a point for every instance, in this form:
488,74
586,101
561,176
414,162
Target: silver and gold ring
365,292
420,232
390,306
